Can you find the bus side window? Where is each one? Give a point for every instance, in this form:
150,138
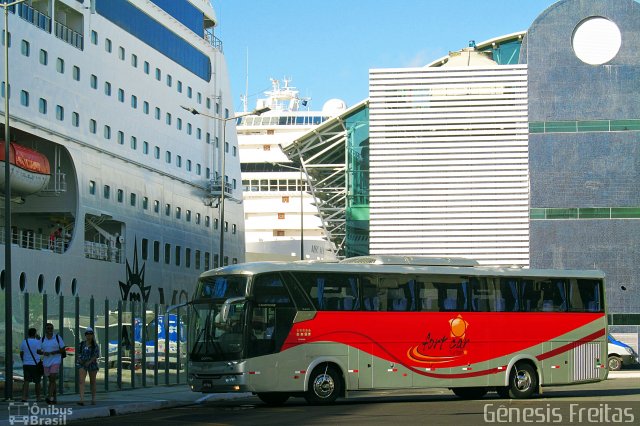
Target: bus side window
428,298
531,296
554,296
269,288
585,295
330,292
449,298
510,300
485,295
370,298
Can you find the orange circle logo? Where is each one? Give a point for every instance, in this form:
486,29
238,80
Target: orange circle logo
458,326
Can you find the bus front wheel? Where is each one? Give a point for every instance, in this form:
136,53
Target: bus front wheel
325,385
273,398
523,381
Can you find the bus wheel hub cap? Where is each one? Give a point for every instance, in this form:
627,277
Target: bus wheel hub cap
323,385
523,381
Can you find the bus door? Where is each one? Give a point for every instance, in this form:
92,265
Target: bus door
271,319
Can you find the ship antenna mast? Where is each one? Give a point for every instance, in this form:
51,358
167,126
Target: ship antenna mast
245,97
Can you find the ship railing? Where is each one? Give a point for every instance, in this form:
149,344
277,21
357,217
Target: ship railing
56,185
102,251
214,41
214,188
26,238
33,16
68,35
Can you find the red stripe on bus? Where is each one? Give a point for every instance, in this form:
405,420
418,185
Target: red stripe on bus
572,345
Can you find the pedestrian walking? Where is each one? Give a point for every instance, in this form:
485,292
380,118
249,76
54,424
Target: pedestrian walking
32,368
53,349
87,362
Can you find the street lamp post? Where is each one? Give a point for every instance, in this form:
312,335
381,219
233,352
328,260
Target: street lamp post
8,359
224,121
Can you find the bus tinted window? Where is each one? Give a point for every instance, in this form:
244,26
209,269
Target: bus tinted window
509,300
330,292
427,297
549,295
585,296
270,289
223,287
486,295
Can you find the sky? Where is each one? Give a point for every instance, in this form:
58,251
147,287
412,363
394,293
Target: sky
326,47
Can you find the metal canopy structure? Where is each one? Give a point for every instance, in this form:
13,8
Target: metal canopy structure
322,154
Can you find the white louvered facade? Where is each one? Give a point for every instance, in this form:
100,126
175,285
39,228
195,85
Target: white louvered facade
449,163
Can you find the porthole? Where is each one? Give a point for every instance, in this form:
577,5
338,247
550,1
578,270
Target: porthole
2,280
596,40
41,284
74,287
58,285
23,281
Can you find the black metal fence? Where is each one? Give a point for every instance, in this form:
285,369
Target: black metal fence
140,344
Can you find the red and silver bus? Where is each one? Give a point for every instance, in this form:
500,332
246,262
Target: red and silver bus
324,330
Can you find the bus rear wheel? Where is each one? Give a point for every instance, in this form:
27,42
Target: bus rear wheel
325,385
523,381
273,398
470,393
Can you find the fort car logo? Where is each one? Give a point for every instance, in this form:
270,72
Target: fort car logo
442,348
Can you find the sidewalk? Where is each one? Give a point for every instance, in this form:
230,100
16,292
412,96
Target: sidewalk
110,403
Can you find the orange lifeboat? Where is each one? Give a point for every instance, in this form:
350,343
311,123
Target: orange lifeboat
29,169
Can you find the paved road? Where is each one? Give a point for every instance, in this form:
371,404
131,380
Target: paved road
596,403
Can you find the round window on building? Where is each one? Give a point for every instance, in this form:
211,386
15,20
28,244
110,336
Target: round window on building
23,281
74,287
596,40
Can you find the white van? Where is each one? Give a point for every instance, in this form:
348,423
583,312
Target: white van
620,354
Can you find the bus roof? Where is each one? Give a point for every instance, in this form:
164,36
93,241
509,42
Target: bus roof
461,268
411,260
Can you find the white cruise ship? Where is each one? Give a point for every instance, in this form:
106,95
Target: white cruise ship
113,183
281,219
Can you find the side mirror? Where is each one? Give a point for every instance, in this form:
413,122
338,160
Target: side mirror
174,307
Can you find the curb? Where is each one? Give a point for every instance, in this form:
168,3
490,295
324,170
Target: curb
623,374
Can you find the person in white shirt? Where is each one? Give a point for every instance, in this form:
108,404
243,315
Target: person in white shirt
52,348
29,354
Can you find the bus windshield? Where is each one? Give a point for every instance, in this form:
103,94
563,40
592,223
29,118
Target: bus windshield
216,330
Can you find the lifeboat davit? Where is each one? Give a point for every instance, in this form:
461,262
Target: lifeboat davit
29,169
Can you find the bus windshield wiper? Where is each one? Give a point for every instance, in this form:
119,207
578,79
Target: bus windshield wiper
208,340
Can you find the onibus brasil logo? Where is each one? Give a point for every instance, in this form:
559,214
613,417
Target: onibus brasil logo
23,413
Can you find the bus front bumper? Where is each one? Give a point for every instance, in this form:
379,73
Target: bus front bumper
218,383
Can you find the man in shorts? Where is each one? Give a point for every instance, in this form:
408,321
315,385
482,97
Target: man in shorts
29,354
52,348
